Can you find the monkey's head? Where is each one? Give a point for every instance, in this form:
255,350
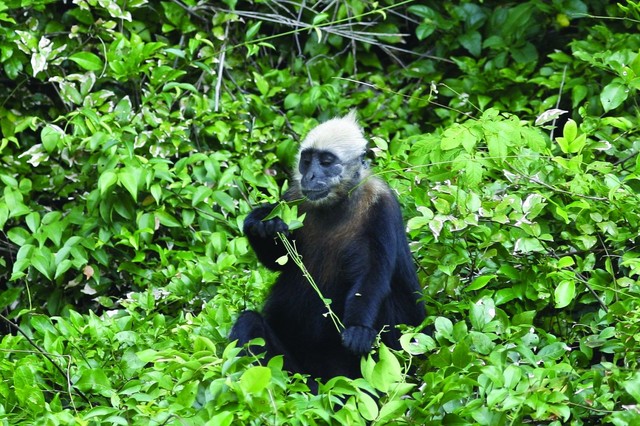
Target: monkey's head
331,160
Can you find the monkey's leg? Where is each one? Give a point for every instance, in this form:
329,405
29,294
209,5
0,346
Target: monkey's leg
251,325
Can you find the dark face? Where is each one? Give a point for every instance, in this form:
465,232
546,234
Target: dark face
321,172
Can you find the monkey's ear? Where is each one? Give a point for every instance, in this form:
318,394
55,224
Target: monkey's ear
364,160
352,115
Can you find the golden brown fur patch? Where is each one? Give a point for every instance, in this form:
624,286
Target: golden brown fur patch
326,241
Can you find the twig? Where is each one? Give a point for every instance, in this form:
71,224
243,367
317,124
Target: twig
297,259
562,191
223,54
624,160
341,27
553,123
46,355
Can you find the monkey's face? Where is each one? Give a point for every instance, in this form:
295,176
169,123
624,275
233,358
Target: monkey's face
321,175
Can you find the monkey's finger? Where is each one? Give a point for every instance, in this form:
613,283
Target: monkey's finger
274,226
281,228
358,339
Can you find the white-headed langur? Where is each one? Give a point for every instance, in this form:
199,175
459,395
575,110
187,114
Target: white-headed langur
353,244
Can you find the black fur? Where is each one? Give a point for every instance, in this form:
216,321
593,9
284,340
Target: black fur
357,252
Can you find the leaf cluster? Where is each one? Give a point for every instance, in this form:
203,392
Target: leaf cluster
136,136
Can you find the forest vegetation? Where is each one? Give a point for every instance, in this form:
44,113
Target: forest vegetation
136,136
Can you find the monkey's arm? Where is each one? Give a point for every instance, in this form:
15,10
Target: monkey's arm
373,282
263,235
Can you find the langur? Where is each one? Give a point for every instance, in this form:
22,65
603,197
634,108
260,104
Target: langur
353,244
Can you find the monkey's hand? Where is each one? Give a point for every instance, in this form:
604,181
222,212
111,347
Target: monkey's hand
256,226
358,339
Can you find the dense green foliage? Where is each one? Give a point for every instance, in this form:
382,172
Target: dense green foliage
137,135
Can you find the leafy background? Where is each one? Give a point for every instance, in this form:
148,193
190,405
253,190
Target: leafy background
137,135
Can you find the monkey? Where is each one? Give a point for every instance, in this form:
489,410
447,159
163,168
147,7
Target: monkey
352,243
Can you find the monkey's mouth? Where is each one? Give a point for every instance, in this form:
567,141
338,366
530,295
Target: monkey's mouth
315,194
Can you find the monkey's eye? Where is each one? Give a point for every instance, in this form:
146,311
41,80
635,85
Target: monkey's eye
327,159
305,160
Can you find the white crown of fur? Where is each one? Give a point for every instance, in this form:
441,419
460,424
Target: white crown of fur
341,135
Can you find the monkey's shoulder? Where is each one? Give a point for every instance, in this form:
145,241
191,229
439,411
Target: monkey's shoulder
375,191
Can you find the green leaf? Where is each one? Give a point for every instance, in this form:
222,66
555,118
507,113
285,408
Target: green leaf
480,282
51,136
425,30
566,262
122,111
367,406
528,245
423,11
392,410
42,260
461,355
444,326
563,144
156,192
473,172
481,342
14,202
261,84
130,178
418,222
482,313
472,41
512,376
292,100
167,219
9,296
187,396
253,30
564,293
525,318
255,379
613,95
33,221
19,236
4,213
148,355
454,136
417,343
9,181
224,200
70,93
224,418
200,195
387,372
632,386
578,143
524,54
26,390
106,180
87,60
570,130
94,380
553,352
320,18
62,267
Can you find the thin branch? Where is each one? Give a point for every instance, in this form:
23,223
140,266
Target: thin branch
223,55
297,259
46,355
341,27
553,123
562,191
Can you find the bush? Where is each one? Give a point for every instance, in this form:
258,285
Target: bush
136,136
